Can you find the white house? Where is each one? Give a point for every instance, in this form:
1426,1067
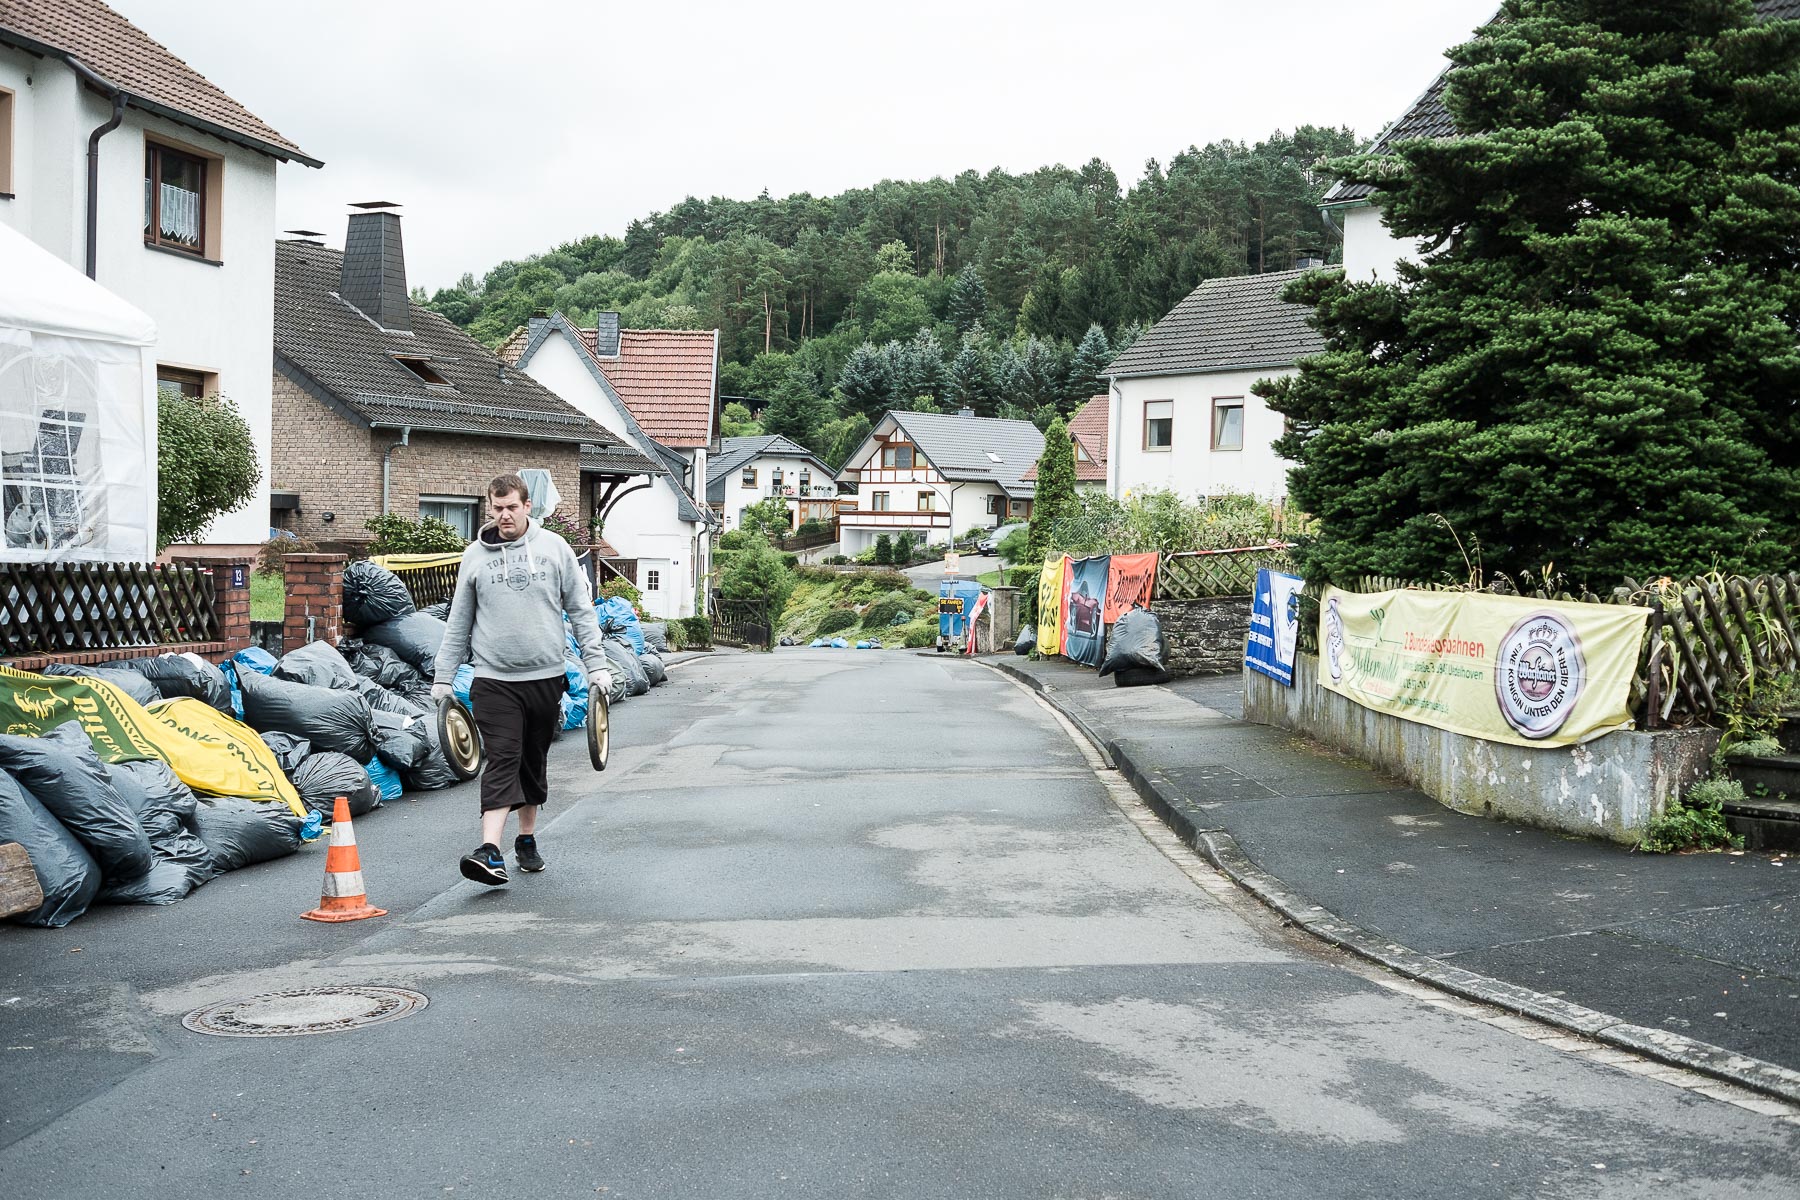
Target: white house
748,470
1182,414
125,162
936,476
657,391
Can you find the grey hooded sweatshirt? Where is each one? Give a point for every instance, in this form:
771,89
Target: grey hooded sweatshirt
506,616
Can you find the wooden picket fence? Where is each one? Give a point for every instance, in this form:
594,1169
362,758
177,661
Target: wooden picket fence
1706,638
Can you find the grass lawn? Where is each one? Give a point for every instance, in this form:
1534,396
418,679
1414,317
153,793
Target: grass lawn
991,579
268,596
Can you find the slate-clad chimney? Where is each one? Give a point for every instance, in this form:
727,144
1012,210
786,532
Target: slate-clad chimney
606,334
374,272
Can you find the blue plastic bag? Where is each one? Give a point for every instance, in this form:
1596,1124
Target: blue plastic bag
839,644
617,616
384,778
237,697
574,712
465,679
254,658
818,643
575,696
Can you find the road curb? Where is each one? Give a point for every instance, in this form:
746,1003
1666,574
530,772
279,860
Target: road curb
1220,849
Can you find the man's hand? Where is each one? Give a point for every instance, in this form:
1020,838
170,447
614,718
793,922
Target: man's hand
441,691
600,681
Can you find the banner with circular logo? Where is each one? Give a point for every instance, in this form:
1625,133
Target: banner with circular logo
1503,668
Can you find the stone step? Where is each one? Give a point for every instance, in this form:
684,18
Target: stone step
1789,732
1769,819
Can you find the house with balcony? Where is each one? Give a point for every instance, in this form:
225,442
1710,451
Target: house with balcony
749,470
1182,416
936,476
656,391
125,162
383,406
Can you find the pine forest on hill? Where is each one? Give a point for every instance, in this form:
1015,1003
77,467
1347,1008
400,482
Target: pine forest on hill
1003,293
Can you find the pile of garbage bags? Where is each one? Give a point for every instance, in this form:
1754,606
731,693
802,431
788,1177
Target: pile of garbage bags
1137,653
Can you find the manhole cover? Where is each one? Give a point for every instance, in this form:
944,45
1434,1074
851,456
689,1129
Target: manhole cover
305,1010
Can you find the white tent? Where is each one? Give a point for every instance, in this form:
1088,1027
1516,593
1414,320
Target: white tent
77,415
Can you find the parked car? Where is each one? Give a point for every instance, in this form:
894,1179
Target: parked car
991,542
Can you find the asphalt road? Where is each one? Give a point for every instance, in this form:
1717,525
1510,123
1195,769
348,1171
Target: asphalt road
833,925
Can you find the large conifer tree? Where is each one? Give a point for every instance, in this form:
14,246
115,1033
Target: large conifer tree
1055,496
1595,365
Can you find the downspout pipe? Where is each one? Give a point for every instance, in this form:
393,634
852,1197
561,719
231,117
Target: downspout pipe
93,159
387,465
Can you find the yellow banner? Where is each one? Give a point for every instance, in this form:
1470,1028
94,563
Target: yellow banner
416,562
1050,598
1503,668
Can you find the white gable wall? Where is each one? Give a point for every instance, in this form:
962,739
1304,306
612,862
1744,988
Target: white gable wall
216,318
1371,249
821,484
1191,467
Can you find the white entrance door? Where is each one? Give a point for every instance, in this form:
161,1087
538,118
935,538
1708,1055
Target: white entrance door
656,581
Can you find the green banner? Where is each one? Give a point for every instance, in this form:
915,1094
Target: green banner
31,705
1503,668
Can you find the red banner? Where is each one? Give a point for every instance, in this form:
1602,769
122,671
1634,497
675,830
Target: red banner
1130,583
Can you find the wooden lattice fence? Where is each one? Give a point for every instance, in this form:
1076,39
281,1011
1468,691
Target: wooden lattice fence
1203,574
59,608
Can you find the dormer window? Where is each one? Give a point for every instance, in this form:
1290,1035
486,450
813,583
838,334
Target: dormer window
424,370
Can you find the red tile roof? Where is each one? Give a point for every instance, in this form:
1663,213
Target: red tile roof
668,379
1089,428
127,57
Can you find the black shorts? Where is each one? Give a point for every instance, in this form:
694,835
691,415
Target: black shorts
518,721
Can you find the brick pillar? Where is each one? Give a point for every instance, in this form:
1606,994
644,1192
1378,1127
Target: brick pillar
315,599
231,595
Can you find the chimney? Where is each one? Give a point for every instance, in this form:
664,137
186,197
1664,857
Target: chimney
606,334
965,412
373,277
1308,263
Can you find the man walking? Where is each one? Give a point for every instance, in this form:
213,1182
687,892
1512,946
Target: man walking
515,583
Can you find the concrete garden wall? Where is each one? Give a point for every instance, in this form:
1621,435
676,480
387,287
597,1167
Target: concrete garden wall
1612,787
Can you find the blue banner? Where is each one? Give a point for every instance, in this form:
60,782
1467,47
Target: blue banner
1084,636
1274,625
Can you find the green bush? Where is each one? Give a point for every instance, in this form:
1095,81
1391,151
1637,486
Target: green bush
903,549
836,560
835,621
920,633
693,632
812,525
884,551
895,608
272,555
759,574
395,534
1698,822
734,539
790,561
205,464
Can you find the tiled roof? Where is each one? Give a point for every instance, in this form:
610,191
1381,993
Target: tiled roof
614,460
1089,428
737,453
328,347
514,345
126,57
965,448
667,378
1428,118
1238,323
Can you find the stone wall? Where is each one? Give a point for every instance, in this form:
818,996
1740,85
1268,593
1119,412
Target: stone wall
1206,637
1611,787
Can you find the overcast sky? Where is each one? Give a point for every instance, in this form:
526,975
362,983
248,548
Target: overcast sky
508,128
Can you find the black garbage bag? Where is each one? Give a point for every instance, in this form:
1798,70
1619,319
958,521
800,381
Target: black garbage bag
624,661
1026,641
440,610
1136,651
183,675
166,807
373,594
325,776
434,771
381,700
129,682
239,832
381,664
330,720
653,668
289,751
399,741
65,871
415,638
656,636
62,771
319,664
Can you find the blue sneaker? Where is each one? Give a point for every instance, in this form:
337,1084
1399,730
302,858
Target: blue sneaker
485,865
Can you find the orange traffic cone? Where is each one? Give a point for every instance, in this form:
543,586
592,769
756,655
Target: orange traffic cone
343,898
